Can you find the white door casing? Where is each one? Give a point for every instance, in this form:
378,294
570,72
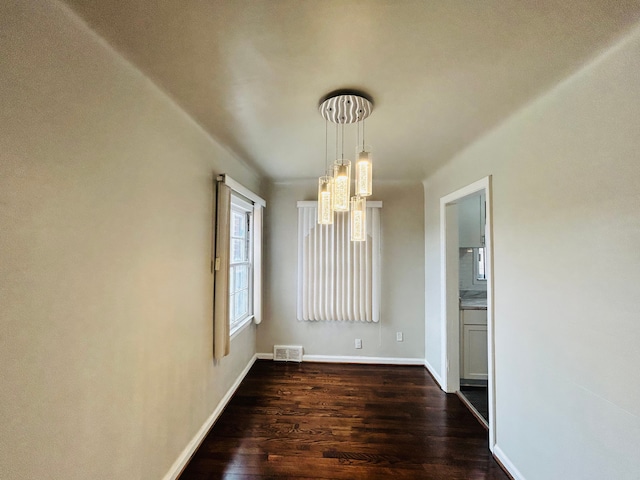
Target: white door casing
450,324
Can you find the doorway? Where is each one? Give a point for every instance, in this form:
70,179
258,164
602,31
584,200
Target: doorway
451,328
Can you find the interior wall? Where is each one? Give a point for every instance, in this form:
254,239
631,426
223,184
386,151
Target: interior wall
402,304
566,198
106,191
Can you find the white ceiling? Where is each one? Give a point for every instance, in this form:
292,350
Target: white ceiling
441,73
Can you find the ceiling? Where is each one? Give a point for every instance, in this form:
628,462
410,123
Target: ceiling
441,73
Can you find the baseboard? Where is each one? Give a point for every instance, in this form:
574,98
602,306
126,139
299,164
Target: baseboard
434,374
352,359
506,464
179,465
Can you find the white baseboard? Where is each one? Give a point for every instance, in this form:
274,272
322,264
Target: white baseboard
365,360
434,374
179,465
352,359
506,463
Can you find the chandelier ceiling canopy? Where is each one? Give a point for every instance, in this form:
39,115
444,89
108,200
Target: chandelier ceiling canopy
345,106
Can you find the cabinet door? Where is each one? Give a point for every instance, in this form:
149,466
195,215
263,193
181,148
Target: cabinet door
470,227
474,357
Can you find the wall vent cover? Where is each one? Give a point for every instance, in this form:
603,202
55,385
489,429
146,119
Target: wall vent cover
287,353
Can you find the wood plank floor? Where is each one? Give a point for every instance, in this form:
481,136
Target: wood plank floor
336,421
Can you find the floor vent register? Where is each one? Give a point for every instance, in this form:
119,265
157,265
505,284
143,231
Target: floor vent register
287,353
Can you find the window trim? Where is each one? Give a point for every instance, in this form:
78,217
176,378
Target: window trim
240,326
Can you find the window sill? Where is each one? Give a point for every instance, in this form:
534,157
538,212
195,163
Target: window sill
237,329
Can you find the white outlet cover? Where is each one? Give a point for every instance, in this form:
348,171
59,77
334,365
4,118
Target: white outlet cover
358,343
399,336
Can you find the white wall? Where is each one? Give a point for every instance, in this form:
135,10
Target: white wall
402,306
105,238
566,179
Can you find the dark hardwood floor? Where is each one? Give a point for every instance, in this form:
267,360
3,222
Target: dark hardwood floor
336,421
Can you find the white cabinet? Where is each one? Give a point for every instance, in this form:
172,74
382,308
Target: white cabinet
474,356
473,343
471,221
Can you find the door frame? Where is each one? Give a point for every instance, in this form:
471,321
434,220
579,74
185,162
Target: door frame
450,324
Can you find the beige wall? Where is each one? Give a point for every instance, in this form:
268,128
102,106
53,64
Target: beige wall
566,203
105,235
402,307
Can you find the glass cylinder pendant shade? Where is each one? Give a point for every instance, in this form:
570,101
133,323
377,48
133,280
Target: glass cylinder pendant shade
341,185
325,200
364,171
358,219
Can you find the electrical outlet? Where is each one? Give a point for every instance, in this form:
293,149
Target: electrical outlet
358,343
398,336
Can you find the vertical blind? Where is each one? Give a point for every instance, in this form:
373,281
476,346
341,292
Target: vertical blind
338,279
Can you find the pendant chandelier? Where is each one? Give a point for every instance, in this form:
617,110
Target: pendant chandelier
334,188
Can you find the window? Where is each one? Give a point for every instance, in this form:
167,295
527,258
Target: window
237,262
240,263
480,264
338,279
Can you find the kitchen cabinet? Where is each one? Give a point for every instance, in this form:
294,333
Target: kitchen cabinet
473,343
471,221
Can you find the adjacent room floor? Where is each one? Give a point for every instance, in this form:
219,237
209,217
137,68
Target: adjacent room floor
336,421
478,397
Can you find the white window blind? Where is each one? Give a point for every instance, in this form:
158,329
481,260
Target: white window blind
338,279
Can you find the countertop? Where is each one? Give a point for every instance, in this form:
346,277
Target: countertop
473,302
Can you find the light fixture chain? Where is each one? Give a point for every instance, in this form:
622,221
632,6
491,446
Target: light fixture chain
326,146
342,154
362,135
336,142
